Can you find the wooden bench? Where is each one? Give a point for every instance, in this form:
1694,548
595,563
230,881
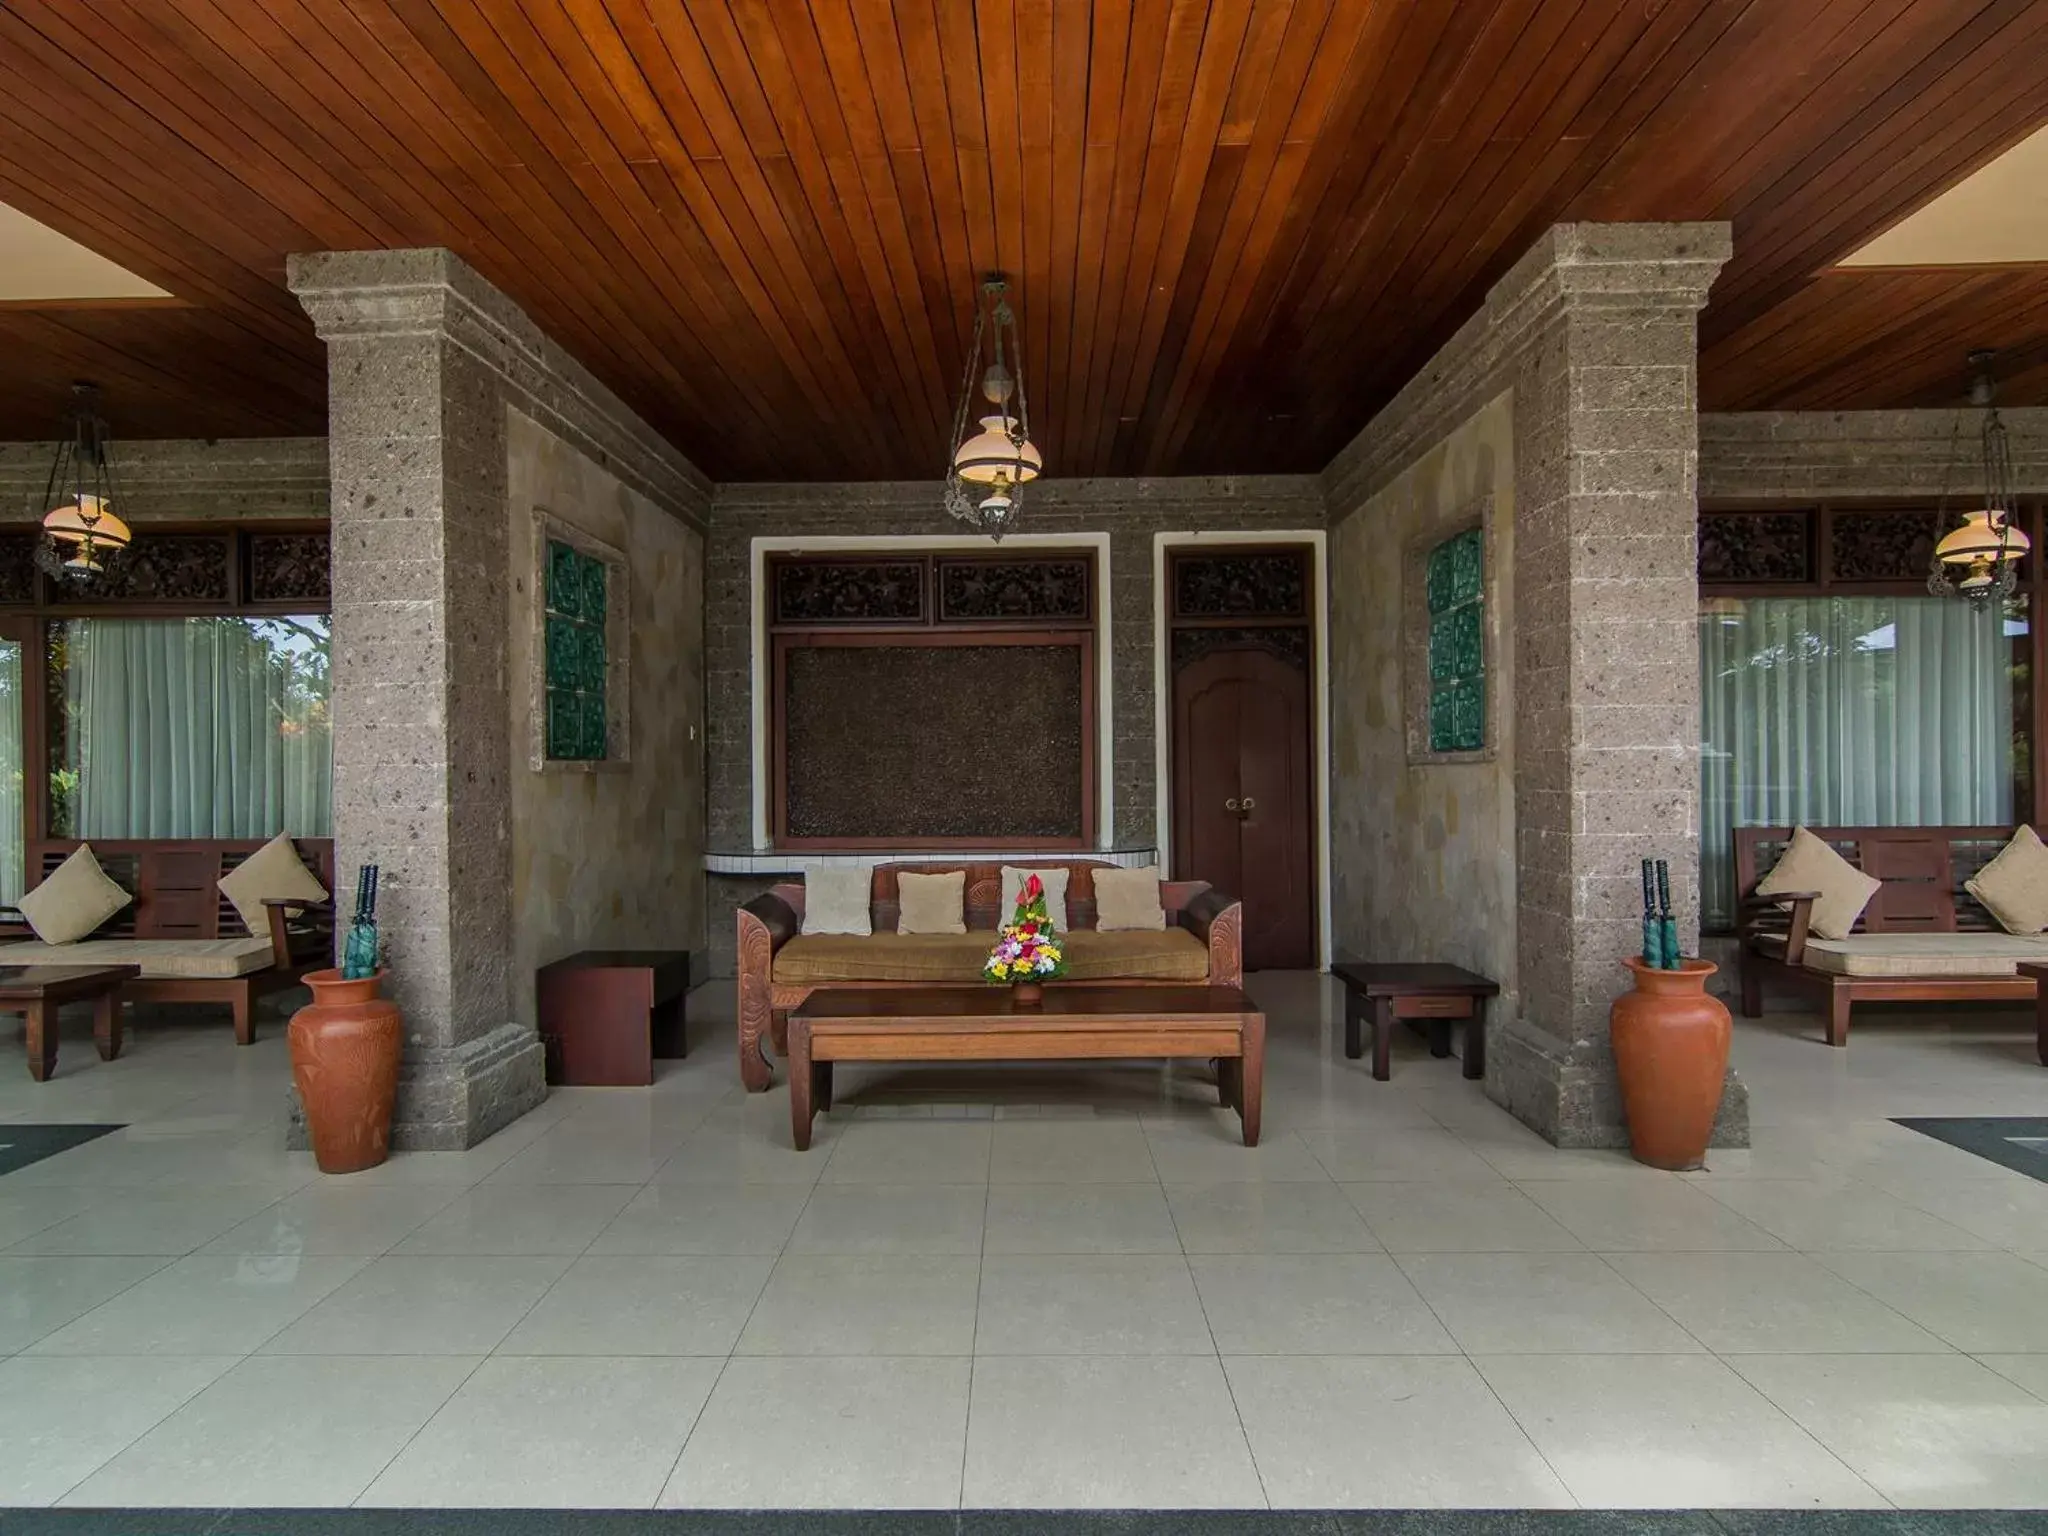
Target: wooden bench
176,886
1922,870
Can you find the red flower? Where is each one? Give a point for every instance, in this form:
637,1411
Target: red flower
1033,889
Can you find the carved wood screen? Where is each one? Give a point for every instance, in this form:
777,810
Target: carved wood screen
175,570
1866,549
933,700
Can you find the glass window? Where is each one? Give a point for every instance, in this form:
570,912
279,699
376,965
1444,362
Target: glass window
1456,590
1854,711
575,653
200,727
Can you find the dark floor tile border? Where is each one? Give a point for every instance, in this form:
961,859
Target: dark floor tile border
1450,1522
23,1143
1987,1136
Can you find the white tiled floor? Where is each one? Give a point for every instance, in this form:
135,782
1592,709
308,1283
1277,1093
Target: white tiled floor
1032,1288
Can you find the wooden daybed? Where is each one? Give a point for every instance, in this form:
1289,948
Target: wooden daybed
187,938
1922,938
779,966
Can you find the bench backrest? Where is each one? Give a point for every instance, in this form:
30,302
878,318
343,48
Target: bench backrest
983,891
176,884
1923,870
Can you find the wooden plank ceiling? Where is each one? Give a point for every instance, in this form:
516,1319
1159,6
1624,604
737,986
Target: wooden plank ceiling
1235,226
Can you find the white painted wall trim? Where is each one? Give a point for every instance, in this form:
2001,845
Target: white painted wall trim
1105,694
1162,699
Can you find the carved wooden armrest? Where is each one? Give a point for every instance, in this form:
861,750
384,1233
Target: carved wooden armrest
765,924
1798,909
1218,921
311,938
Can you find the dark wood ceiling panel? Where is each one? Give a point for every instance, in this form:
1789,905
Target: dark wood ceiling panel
1233,227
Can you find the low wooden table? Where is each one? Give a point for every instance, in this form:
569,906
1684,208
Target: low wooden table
1441,994
38,991
988,1024
2038,974
609,1014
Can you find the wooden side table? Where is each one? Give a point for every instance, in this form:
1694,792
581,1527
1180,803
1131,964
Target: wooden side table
39,991
2038,974
608,1014
1440,994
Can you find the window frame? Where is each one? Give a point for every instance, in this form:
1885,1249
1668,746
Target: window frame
546,528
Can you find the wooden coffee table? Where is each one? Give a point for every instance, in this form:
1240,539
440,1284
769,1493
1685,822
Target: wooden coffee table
987,1024
38,991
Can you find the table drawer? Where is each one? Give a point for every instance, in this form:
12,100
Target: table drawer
1432,1007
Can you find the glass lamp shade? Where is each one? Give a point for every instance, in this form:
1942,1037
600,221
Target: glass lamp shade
87,520
1984,536
992,454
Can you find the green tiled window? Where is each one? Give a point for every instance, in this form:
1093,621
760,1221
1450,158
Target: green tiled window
575,654
1456,588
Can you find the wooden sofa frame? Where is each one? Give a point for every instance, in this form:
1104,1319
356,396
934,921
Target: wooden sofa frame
176,886
771,920
1922,870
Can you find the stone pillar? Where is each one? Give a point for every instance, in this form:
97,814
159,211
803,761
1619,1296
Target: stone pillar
1606,708
422,760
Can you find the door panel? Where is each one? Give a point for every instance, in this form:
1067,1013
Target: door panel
1241,734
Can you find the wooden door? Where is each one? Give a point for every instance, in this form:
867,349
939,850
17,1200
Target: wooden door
1243,796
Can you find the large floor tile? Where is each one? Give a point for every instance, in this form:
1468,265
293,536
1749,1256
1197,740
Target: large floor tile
2012,1213
1117,1432
281,1431
823,1304
1398,1153
1386,1432
1982,1303
29,1209
2029,1371
423,1304
62,1418
705,1218
1926,1431
1079,1218
911,1152
204,1305
1764,1303
1267,1218
1812,1214
569,1155
1205,1154
828,1434
1666,1431
1062,1304
751,1147
40,1295
1315,1304
336,1218
639,1305
891,1218
1637,1216
520,1219
168,1222
564,1433
1548,1303
1069,1152
1458,1218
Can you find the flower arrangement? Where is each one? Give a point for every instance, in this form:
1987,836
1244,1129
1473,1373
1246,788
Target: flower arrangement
1027,949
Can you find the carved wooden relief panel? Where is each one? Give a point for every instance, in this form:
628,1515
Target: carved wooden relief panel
849,592
288,568
1014,589
1882,546
17,568
1270,584
165,568
1745,547
1290,643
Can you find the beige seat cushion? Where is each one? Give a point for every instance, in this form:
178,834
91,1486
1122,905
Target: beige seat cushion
76,899
808,960
1811,865
273,872
2014,886
836,899
1128,899
1922,954
931,904
184,959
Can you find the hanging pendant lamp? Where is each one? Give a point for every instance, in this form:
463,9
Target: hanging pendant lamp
82,536
1979,561
987,470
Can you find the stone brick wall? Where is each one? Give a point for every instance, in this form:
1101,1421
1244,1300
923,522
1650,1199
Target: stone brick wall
1770,455
185,480
1130,511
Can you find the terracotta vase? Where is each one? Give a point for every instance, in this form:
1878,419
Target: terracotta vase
1671,1050
345,1047
1028,994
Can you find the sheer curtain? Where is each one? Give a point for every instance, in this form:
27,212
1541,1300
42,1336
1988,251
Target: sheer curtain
1850,711
11,850
195,728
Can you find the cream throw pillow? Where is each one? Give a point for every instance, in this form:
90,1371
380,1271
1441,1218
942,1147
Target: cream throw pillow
1055,883
932,903
1811,865
273,872
2014,886
836,899
76,899
1127,899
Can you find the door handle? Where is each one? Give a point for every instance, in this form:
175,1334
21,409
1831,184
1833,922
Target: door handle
1249,804
1230,806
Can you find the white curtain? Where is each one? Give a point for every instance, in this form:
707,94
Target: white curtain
11,850
197,727
1850,711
